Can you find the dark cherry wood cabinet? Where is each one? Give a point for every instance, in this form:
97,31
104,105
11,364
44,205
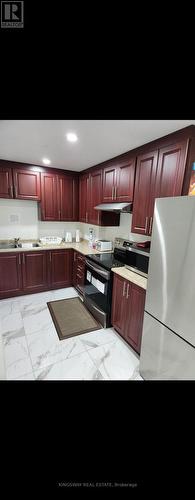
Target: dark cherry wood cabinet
6,183
19,183
95,195
68,197
118,304
84,199
158,174
78,271
118,180
26,184
144,191
109,183
134,315
128,301
59,197
60,268
124,188
34,271
49,208
10,274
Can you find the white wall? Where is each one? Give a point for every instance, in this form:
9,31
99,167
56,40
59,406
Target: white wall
28,225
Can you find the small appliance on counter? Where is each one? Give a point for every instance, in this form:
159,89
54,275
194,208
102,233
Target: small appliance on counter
77,236
91,237
103,245
68,237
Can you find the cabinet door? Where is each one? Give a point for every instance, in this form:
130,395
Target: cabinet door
95,195
109,183
26,184
68,197
34,271
60,268
144,187
6,184
171,170
84,201
10,274
134,314
49,200
125,181
118,304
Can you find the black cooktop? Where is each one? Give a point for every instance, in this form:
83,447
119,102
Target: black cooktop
106,260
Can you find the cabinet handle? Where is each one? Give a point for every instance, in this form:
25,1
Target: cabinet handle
124,286
19,259
146,224
115,192
112,192
15,191
86,216
128,291
150,230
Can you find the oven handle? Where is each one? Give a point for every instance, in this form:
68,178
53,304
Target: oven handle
99,270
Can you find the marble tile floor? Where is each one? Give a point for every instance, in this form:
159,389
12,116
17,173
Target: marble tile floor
31,350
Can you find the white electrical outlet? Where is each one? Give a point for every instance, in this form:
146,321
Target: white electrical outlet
14,219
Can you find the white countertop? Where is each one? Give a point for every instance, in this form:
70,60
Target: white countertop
131,276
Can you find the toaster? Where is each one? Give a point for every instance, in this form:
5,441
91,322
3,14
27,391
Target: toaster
103,245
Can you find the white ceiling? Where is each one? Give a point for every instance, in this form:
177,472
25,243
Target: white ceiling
98,140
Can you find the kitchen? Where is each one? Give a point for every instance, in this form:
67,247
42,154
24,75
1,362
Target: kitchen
82,249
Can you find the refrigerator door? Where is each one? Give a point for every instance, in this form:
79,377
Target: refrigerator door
164,355
170,296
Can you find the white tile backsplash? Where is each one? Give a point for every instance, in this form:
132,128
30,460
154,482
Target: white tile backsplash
29,226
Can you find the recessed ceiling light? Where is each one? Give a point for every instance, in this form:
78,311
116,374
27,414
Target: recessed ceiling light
71,137
46,161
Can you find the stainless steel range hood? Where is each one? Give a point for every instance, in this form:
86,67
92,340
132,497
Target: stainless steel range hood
115,207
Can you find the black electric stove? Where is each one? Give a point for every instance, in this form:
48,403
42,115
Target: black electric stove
106,260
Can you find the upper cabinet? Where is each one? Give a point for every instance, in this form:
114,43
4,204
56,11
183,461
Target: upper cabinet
49,210
109,183
6,182
158,174
19,183
90,195
144,189
59,197
118,181
84,198
95,194
68,197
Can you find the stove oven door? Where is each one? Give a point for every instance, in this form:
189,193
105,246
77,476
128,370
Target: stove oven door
97,292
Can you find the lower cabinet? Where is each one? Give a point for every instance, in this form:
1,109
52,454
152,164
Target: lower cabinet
78,271
10,275
35,271
60,264
128,301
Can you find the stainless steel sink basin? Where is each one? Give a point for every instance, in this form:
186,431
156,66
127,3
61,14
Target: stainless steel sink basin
33,245
7,245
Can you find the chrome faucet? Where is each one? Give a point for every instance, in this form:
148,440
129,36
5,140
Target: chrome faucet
16,241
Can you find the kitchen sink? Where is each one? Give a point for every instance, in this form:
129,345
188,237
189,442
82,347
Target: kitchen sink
26,245
7,245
